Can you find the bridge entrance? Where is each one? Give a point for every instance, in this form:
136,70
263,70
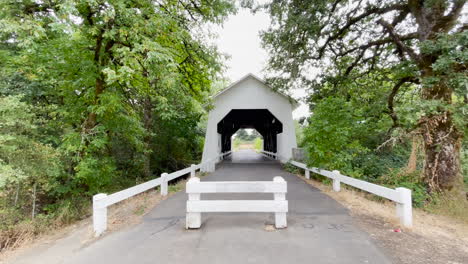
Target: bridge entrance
251,103
261,120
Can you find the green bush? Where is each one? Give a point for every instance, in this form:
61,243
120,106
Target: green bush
412,181
258,144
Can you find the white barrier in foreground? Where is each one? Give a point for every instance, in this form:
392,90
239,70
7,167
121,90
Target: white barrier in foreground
101,201
195,206
401,196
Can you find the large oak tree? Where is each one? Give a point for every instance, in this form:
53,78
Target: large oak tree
421,42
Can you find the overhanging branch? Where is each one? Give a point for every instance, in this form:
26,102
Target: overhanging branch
397,39
369,11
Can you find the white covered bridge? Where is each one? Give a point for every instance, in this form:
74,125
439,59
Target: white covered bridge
251,103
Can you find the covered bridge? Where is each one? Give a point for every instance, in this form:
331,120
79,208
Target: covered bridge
251,103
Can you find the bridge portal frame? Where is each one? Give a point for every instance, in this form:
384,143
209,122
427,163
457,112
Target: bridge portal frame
251,93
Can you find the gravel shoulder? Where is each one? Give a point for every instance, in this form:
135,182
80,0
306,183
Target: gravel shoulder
433,238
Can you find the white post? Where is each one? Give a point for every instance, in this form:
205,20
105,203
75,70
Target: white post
99,214
336,181
164,184
193,220
280,217
405,208
213,166
307,174
192,170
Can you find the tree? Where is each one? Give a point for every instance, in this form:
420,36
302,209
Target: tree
96,96
115,67
422,43
242,135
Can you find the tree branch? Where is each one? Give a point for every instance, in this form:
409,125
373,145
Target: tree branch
391,99
370,11
446,23
397,39
379,42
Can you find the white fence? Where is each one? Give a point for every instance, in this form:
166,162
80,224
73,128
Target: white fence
195,206
101,201
270,154
401,196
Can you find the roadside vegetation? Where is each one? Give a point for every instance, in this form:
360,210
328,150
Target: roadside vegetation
387,85
97,96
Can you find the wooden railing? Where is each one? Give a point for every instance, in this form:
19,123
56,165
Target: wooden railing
101,201
401,196
195,206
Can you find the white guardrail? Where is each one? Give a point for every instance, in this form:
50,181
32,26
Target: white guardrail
101,201
195,206
401,196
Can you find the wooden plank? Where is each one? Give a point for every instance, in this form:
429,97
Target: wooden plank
267,152
124,194
372,188
237,187
177,174
237,206
360,184
298,164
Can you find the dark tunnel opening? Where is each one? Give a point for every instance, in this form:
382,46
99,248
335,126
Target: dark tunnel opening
261,120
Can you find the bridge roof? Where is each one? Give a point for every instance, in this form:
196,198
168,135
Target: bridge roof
291,100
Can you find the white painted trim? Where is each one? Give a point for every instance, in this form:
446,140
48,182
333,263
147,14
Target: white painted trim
402,196
271,155
132,191
236,187
195,206
237,206
293,101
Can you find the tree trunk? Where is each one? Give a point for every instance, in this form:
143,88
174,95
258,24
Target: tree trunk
148,124
442,144
91,120
17,194
442,140
33,213
413,158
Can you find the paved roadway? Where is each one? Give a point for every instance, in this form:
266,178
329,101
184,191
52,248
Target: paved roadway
319,229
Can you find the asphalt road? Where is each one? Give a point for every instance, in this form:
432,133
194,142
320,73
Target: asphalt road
319,229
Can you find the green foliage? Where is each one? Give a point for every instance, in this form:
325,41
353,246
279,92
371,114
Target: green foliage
251,138
98,96
292,169
23,158
258,144
412,181
299,129
377,72
242,134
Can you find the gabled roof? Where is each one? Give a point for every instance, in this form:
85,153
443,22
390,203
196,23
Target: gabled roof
293,101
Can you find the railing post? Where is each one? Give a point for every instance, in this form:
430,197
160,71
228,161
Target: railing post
404,209
280,217
164,184
192,170
193,220
307,174
336,181
213,166
99,214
